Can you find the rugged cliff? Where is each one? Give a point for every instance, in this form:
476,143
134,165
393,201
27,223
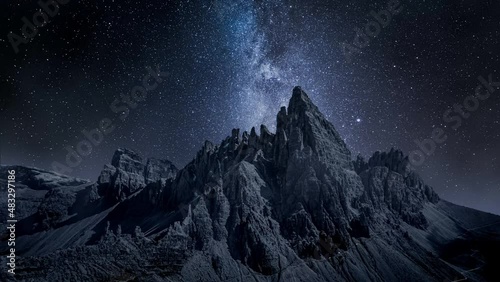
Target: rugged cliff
290,205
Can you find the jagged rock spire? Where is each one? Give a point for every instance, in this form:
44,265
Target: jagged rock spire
306,126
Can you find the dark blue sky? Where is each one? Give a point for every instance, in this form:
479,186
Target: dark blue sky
234,63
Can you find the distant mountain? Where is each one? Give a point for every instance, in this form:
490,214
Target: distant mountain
286,206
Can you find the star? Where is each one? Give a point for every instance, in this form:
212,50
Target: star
233,64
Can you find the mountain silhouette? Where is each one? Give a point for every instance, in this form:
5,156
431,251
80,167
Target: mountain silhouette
293,205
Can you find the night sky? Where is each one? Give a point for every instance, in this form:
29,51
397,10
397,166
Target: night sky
233,63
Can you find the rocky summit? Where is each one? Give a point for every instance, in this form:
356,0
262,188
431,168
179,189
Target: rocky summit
293,205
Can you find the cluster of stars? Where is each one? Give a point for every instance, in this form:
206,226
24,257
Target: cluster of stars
232,64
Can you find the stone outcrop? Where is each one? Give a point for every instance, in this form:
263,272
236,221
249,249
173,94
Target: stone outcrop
128,174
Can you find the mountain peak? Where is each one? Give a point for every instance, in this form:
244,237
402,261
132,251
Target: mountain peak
252,205
300,101
127,160
306,126
298,92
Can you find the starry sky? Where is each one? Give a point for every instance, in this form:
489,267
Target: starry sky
232,64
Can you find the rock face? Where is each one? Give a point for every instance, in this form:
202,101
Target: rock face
33,186
127,174
290,205
391,187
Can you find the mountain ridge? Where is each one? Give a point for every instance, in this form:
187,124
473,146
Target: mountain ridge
293,204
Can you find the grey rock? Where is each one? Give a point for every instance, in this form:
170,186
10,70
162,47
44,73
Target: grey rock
284,206
33,186
127,174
